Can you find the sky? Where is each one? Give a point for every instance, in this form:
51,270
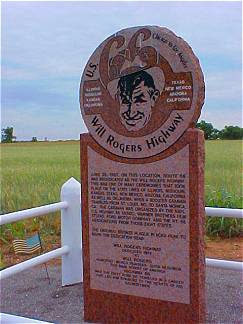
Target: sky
45,46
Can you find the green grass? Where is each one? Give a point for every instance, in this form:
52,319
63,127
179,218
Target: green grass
33,173
223,173
223,185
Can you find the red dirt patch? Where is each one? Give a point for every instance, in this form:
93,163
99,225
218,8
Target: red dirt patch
226,249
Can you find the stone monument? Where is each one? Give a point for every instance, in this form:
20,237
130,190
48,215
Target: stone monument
142,173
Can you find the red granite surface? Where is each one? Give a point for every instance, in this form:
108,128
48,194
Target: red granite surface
107,307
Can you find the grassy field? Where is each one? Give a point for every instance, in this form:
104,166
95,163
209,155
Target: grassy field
223,184
33,173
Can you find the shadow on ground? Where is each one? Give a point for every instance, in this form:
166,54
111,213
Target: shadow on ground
29,294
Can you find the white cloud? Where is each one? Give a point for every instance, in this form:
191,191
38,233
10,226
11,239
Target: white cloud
32,121
217,117
14,74
45,41
224,85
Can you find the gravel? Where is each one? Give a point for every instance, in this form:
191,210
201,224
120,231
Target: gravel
29,294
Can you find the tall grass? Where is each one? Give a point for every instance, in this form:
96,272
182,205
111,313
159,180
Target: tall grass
224,184
33,173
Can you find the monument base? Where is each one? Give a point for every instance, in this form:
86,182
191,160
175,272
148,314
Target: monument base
143,234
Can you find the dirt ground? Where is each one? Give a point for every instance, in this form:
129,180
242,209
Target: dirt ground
226,249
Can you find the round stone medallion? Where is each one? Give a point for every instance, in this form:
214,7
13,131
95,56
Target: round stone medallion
140,91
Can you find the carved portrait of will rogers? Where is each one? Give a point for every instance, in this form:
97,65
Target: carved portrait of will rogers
138,89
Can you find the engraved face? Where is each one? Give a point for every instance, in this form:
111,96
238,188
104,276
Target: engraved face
137,96
139,85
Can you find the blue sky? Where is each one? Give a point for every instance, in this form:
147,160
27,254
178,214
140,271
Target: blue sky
45,46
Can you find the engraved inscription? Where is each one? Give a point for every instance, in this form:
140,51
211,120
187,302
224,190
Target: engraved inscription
145,87
139,227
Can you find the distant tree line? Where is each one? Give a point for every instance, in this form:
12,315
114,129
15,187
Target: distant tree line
229,132
7,135
211,133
